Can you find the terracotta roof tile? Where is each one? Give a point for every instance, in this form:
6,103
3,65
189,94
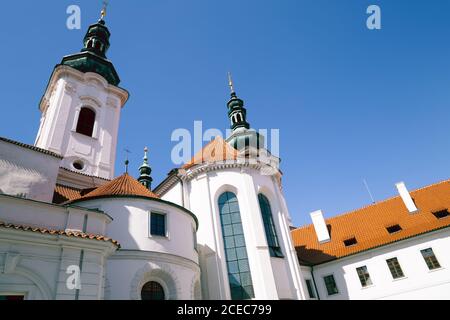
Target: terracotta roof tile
64,193
368,225
215,151
58,232
121,186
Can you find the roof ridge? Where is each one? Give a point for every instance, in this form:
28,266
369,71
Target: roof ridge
124,185
31,147
67,233
69,187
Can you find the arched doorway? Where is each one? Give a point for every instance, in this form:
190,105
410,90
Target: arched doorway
152,291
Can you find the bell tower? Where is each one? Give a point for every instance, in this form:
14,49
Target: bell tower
81,107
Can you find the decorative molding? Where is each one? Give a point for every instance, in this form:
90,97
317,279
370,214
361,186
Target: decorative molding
11,262
160,272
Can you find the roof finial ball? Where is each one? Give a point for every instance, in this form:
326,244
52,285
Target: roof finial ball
127,162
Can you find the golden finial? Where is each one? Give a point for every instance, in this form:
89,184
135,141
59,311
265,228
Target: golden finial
230,82
103,13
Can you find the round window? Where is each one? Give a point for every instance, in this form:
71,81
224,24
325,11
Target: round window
78,165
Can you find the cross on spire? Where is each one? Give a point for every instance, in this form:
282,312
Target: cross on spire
103,12
230,82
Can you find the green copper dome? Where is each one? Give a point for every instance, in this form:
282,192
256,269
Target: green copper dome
92,57
145,172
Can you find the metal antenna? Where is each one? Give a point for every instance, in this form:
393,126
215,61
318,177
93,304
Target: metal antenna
368,190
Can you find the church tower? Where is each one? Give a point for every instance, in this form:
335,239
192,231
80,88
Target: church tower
244,241
81,107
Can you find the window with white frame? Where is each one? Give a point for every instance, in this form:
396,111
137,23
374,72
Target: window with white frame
158,224
364,276
430,259
330,284
310,287
395,268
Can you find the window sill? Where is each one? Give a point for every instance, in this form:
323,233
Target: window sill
435,270
399,279
83,135
159,237
368,287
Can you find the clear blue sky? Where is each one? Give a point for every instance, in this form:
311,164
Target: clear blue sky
350,103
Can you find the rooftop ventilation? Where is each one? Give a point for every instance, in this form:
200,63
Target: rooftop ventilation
406,197
441,214
320,226
394,228
350,242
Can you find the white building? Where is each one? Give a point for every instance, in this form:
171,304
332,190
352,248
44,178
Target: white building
395,249
218,228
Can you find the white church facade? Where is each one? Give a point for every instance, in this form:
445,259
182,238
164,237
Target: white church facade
216,228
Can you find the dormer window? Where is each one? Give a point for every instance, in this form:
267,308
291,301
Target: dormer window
350,242
86,121
441,214
394,228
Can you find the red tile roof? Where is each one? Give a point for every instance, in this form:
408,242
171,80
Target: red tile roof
58,232
64,193
368,225
121,186
215,151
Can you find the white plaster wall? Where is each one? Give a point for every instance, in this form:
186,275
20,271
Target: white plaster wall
32,213
418,283
204,191
131,226
69,90
27,173
129,270
35,265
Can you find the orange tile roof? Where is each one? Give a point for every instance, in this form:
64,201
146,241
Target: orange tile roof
58,232
121,186
368,225
215,151
64,193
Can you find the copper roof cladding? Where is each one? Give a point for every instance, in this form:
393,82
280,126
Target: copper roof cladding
58,232
215,151
122,186
368,225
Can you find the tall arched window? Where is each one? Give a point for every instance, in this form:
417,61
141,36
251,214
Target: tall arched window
241,285
86,121
152,291
269,227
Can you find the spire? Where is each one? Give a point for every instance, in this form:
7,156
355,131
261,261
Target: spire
103,12
236,111
92,57
145,171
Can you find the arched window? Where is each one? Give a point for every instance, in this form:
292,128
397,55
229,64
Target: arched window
86,121
89,44
152,291
241,285
269,227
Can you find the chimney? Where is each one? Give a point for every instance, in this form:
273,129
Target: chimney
320,226
406,197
